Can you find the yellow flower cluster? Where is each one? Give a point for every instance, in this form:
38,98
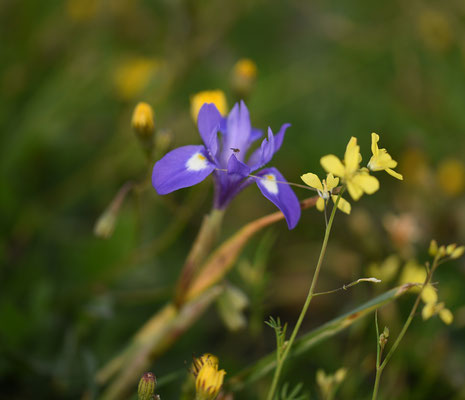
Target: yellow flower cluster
208,379
357,179
432,307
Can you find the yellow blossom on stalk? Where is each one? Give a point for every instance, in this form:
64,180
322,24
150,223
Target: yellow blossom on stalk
217,97
199,362
243,76
412,273
246,68
325,189
431,309
209,380
358,180
142,120
381,160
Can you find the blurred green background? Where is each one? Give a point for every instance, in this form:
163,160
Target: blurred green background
71,73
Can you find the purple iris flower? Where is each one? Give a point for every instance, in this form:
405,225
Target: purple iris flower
224,155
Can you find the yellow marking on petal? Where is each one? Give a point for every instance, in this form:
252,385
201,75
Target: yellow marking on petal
270,184
312,180
197,162
333,164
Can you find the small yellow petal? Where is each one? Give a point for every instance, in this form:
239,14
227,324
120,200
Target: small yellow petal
312,180
458,252
428,311
333,165
394,174
374,143
355,191
446,316
369,184
320,204
331,181
352,156
429,295
343,204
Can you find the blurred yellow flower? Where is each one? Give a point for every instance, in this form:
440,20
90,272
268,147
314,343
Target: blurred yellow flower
431,309
217,97
385,271
435,30
358,180
82,10
325,189
412,273
133,75
429,295
414,167
451,176
381,160
209,380
244,74
199,362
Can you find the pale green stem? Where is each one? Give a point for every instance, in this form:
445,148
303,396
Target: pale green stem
380,367
310,295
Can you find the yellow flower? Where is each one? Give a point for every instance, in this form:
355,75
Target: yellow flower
358,180
325,189
451,176
142,119
431,309
429,295
381,160
412,273
133,76
246,68
199,362
386,270
209,380
216,97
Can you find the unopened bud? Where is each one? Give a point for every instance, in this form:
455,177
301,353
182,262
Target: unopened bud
143,120
386,332
433,248
442,251
243,78
458,252
105,225
163,140
450,248
146,387
383,338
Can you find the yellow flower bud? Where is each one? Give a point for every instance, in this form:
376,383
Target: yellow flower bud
446,316
243,77
217,97
458,252
143,120
209,381
433,248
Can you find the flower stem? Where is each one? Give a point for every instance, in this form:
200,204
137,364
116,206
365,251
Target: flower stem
380,367
310,295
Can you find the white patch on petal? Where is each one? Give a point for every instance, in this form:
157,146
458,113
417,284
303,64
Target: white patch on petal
269,181
197,162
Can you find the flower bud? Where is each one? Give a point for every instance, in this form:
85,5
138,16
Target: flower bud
143,120
243,78
146,387
433,248
458,252
105,225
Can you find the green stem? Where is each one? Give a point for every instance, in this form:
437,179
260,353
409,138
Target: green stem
310,295
380,367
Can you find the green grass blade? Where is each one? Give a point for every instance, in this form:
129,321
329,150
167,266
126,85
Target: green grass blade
307,341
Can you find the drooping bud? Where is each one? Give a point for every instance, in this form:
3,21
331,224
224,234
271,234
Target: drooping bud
146,387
